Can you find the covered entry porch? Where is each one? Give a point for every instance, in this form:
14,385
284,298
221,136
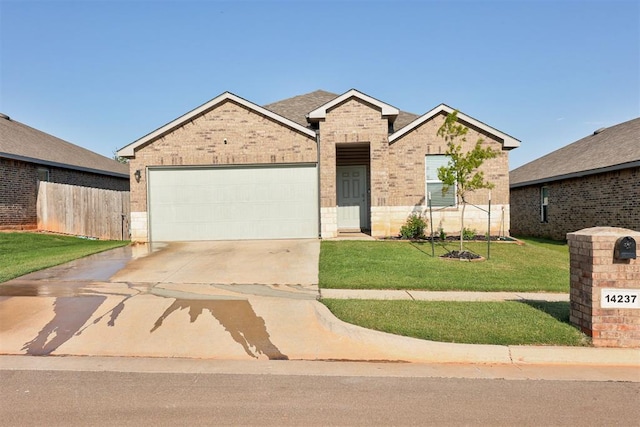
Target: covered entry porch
353,187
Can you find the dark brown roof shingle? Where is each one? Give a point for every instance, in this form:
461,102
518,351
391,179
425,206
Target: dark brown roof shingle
297,108
613,147
21,142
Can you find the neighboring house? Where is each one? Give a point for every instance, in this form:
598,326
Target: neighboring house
592,182
28,156
305,167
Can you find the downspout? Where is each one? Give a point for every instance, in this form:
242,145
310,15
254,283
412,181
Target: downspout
319,186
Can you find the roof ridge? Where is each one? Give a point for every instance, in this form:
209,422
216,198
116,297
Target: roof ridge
316,92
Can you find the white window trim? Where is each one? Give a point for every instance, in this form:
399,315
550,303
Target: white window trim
452,189
544,203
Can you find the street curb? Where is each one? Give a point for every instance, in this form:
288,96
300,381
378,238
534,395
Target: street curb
575,355
395,347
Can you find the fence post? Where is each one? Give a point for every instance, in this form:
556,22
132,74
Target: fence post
433,248
489,229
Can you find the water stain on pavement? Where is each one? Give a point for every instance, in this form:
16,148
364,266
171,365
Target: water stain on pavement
237,317
71,313
17,288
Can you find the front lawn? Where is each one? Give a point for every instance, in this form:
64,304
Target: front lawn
536,266
498,323
22,253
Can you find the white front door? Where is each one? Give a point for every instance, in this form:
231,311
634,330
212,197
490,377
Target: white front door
352,197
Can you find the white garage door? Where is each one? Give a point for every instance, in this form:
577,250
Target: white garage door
229,203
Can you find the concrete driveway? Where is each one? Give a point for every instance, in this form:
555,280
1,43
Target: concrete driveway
266,262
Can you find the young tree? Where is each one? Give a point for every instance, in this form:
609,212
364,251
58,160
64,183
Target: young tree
462,169
119,159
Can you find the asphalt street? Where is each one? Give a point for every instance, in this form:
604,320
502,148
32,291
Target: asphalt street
74,398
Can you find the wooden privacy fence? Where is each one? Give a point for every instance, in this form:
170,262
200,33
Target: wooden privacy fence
83,211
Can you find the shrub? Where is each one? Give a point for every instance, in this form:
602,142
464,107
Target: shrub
414,227
443,235
469,234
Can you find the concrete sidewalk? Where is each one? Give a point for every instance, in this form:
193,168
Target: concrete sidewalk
440,295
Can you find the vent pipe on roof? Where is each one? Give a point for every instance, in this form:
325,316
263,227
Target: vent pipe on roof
4,116
598,131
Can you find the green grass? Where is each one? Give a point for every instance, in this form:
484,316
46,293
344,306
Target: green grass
499,323
536,266
22,253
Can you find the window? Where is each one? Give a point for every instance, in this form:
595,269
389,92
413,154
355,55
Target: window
43,174
544,204
434,185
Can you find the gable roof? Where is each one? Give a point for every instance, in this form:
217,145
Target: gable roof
298,107
128,151
321,112
613,148
508,142
298,111
24,143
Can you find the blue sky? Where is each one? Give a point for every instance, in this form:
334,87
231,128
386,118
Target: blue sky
101,74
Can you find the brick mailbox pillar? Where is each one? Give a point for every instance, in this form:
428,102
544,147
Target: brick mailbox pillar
605,289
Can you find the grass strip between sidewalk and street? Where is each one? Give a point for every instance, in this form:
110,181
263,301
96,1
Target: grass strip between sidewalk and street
22,253
535,266
497,323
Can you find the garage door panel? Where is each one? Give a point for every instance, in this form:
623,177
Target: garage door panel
233,203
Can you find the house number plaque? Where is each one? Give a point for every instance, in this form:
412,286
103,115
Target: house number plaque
619,298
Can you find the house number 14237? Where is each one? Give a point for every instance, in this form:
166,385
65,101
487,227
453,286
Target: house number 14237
620,298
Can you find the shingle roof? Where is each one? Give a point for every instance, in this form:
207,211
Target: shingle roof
613,148
297,108
21,142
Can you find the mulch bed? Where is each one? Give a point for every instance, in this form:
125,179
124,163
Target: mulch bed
462,256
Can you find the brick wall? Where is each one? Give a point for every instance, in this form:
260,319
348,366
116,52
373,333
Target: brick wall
87,179
607,199
593,268
407,164
229,134
19,189
407,181
353,122
18,193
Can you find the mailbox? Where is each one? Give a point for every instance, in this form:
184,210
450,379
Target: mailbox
625,248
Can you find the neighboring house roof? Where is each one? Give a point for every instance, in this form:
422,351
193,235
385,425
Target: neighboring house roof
613,148
21,142
128,151
508,142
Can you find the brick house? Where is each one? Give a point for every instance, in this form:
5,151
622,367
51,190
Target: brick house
28,156
592,182
309,166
